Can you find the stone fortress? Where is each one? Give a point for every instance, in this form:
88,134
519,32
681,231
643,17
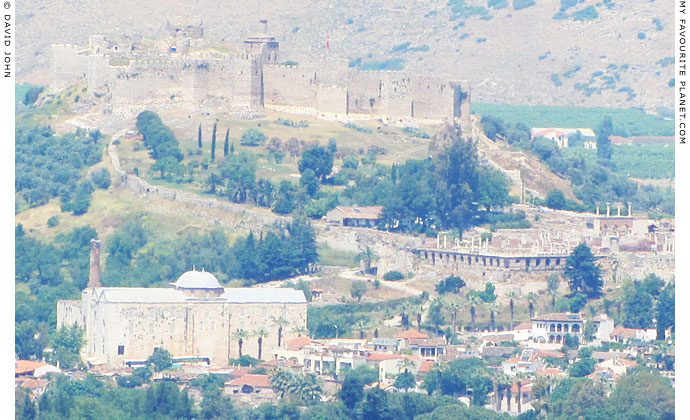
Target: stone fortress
196,318
131,73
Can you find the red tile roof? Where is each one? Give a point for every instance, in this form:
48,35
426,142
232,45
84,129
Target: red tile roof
550,371
523,326
425,366
252,380
624,332
383,356
298,343
550,353
27,367
30,383
412,334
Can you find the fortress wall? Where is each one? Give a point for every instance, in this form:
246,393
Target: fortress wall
332,100
248,84
66,64
290,85
101,73
364,92
157,81
217,82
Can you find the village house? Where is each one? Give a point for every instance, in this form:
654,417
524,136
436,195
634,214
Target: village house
552,328
604,327
250,384
355,216
561,135
428,348
528,361
621,334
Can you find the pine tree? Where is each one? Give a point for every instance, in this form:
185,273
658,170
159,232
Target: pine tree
227,143
199,141
213,142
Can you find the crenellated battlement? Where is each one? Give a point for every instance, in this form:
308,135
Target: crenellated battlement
177,69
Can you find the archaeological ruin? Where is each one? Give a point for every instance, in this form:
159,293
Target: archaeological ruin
182,68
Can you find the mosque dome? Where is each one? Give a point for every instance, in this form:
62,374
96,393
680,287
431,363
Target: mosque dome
197,280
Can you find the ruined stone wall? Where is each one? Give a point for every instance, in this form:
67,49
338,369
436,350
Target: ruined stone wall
69,313
202,329
289,86
66,64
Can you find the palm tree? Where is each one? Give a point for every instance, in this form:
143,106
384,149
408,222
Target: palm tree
554,295
240,335
531,299
305,387
299,330
361,326
453,308
519,395
512,297
280,381
436,317
260,333
405,310
418,311
474,301
405,365
280,322
367,255
493,306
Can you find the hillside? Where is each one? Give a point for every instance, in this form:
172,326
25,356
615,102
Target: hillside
617,55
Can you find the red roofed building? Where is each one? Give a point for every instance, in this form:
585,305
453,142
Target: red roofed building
425,366
35,386
412,334
249,383
298,343
27,367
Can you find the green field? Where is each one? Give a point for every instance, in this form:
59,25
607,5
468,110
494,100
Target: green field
655,161
626,121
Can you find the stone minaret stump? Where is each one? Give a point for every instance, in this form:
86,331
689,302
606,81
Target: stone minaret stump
95,265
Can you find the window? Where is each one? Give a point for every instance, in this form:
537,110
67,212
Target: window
120,350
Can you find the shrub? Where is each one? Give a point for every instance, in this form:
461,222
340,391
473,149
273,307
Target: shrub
641,35
416,132
523,4
451,284
498,4
253,137
101,178
393,275
556,79
358,128
53,221
589,12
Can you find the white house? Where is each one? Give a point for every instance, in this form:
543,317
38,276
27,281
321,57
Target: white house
552,328
561,135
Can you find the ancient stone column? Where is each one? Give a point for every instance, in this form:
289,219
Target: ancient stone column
608,209
95,265
629,209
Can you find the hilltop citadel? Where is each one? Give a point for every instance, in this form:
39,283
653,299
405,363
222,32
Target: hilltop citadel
130,74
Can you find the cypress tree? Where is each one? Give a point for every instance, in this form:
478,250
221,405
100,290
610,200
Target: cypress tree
232,148
213,142
199,141
227,143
